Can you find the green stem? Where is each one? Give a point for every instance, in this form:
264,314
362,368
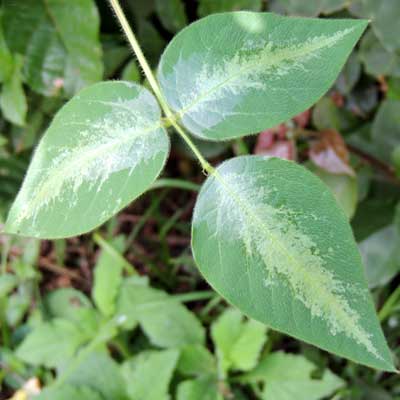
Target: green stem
210,306
139,54
154,85
105,246
203,162
140,224
386,309
175,184
4,254
193,296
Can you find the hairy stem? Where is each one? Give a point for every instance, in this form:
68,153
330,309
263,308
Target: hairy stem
154,84
139,54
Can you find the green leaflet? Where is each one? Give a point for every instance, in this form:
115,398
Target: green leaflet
269,236
52,344
384,16
376,59
381,255
148,374
172,14
238,344
68,392
108,278
6,60
103,149
237,73
13,102
203,388
98,370
60,41
207,7
309,8
386,129
343,187
289,376
154,310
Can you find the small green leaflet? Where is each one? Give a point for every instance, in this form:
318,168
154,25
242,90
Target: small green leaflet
233,74
60,42
97,370
207,7
68,392
289,376
51,343
384,16
309,8
148,375
238,343
269,236
154,310
381,255
202,388
103,149
108,278
13,102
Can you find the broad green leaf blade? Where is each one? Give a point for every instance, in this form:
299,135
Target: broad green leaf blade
289,376
376,59
99,371
108,278
166,322
238,343
67,392
203,388
237,73
51,343
172,14
343,187
384,16
196,359
8,282
148,375
269,236
103,149
309,8
386,129
6,60
207,7
381,255
60,41
13,102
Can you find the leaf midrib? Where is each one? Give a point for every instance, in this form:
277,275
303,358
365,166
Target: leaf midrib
84,157
258,223
274,61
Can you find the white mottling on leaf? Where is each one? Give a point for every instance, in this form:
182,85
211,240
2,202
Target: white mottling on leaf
125,134
258,63
272,236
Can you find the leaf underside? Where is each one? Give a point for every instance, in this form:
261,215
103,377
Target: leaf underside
269,236
60,42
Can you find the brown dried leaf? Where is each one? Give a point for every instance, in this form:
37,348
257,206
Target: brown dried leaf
330,153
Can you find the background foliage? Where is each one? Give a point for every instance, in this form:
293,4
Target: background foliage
124,314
